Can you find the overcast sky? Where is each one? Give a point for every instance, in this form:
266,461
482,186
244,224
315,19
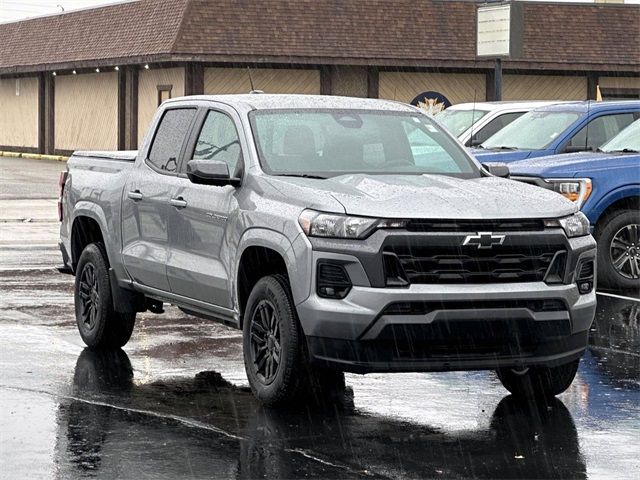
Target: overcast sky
11,10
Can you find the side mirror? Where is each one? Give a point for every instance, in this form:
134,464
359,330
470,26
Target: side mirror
577,148
210,172
497,169
474,142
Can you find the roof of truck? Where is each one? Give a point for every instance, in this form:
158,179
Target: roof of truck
267,101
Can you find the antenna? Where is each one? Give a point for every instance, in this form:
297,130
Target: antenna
250,79
473,117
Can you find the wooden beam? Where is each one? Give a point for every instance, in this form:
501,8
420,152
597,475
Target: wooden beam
194,79
131,108
373,82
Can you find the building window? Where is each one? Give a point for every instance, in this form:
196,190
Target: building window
164,93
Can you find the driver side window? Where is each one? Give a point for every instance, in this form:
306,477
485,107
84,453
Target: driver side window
218,140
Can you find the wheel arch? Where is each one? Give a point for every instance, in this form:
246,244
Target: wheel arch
88,226
262,252
620,199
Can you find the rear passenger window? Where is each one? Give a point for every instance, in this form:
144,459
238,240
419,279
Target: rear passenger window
169,138
600,130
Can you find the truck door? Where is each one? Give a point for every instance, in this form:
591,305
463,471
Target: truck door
146,197
199,214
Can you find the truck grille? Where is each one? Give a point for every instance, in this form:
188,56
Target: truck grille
427,265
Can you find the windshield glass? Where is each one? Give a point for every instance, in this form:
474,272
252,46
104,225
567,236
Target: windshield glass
459,121
327,142
628,139
532,131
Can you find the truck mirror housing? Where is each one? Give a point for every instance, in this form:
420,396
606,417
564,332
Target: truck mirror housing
210,172
497,169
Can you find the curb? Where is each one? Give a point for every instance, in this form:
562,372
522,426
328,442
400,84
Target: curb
34,156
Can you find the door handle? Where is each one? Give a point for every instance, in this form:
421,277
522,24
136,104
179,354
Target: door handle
178,202
135,195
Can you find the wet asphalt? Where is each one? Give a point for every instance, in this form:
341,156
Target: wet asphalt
174,403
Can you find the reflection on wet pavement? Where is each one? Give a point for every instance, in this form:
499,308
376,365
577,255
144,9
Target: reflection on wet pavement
174,403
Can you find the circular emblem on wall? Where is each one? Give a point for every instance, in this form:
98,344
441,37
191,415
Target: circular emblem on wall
431,102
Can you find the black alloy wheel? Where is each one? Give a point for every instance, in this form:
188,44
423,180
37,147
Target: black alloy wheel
266,350
89,293
624,251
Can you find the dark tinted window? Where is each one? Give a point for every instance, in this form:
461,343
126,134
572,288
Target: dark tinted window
218,140
600,130
494,126
169,138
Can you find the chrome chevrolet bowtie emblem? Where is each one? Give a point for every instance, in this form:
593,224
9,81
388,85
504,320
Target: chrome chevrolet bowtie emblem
483,240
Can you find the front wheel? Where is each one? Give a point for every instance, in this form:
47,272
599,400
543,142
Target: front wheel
275,359
100,326
538,382
619,250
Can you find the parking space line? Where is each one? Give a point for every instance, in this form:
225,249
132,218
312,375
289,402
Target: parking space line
623,297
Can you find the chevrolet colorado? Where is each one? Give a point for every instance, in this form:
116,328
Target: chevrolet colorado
339,234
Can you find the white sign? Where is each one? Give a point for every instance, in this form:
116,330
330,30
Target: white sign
494,30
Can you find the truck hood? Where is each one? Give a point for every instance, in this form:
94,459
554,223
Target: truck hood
506,156
435,197
572,164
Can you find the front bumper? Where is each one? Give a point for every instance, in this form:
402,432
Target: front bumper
436,327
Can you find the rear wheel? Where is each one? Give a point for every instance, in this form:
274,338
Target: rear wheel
275,357
541,382
100,326
619,250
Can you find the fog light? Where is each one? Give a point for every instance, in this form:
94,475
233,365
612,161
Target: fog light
585,287
332,280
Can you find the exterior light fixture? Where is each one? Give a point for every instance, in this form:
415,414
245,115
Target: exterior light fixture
146,67
74,72
97,70
54,74
116,68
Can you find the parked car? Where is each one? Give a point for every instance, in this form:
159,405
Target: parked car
474,123
318,226
555,129
606,186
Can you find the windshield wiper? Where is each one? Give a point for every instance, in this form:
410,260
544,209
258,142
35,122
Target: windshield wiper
622,150
503,148
301,175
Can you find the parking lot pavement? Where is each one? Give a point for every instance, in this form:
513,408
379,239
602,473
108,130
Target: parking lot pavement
175,403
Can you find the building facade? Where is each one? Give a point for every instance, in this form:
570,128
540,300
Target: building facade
93,79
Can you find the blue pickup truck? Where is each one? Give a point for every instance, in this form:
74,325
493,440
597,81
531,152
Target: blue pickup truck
561,128
606,186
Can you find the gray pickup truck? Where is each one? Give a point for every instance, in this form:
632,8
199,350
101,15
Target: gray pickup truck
339,234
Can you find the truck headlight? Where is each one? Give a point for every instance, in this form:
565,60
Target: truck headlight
331,225
575,189
576,225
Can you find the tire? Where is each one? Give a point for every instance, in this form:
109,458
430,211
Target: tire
100,326
618,238
274,349
539,382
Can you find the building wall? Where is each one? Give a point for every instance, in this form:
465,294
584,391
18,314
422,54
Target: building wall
270,80
19,112
543,87
457,87
349,81
86,111
619,82
148,82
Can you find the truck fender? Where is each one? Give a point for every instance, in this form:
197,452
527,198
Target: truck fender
91,210
612,197
296,267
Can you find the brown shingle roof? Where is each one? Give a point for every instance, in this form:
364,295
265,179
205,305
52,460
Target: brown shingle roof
377,32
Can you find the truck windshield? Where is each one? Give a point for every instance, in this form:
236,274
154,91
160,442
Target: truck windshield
326,143
532,131
627,140
459,121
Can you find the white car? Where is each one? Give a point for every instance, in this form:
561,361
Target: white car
473,123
